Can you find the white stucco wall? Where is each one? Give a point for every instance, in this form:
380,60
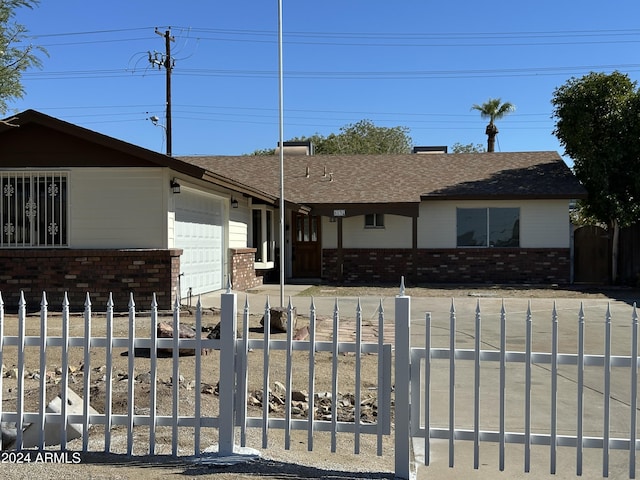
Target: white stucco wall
238,232
395,234
329,233
239,225
118,208
543,223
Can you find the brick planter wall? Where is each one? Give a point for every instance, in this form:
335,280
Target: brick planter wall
478,265
98,272
243,272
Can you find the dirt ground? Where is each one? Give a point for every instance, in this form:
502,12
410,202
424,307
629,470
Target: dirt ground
498,291
275,461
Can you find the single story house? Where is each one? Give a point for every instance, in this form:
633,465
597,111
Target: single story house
83,212
434,218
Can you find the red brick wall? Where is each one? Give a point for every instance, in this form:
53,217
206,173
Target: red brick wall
459,265
243,272
99,272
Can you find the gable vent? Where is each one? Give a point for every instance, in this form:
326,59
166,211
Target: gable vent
296,148
429,149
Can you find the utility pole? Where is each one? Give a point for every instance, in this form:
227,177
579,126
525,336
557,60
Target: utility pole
165,60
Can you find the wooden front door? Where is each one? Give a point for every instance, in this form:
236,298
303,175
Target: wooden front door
307,250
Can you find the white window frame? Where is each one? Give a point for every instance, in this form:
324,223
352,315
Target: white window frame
265,251
34,209
378,220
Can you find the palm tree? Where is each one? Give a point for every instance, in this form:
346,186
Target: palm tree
494,110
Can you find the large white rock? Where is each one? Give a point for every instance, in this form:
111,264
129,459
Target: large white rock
31,434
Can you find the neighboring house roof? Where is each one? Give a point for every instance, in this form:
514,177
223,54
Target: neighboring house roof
371,179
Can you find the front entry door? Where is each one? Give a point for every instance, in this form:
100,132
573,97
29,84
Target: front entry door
307,250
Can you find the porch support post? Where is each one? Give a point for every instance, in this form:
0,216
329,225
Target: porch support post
228,329
414,247
402,370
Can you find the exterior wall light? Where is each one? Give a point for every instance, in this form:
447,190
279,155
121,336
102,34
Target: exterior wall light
234,202
175,186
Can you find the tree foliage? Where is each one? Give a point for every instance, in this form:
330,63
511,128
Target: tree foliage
598,124
16,56
363,137
493,109
467,148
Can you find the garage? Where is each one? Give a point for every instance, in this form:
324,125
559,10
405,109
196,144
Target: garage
199,232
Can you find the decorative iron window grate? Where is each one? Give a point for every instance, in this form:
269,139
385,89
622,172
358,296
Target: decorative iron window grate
34,209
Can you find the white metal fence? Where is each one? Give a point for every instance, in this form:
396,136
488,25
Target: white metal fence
414,376
499,361
233,352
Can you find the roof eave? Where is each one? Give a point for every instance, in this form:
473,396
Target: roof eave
563,196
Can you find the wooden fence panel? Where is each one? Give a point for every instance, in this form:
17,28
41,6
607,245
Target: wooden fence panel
629,256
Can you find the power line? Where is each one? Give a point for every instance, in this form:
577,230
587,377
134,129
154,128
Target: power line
375,39
262,112
372,35
338,75
90,32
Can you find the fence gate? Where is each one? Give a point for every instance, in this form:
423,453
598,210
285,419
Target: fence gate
591,255
466,368
184,422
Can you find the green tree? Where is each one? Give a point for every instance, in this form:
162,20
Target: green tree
363,137
15,55
598,124
467,148
493,109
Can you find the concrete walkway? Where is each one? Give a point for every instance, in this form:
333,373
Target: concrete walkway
567,309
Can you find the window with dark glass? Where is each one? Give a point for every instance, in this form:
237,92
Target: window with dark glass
488,227
34,209
374,220
270,242
257,233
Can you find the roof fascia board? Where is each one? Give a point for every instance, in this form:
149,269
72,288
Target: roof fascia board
409,209
567,196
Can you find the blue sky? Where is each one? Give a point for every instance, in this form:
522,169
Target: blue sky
414,63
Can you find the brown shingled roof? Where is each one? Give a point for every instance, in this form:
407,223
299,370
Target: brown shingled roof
359,179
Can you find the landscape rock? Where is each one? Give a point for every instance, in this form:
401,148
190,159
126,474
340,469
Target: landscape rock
214,332
9,433
165,330
301,333
279,319
322,407
31,434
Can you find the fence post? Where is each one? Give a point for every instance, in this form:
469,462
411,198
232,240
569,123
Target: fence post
402,375
228,328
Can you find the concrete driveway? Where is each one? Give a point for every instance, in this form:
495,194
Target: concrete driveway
595,311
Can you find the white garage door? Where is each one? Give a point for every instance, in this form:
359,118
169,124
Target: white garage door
199,232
